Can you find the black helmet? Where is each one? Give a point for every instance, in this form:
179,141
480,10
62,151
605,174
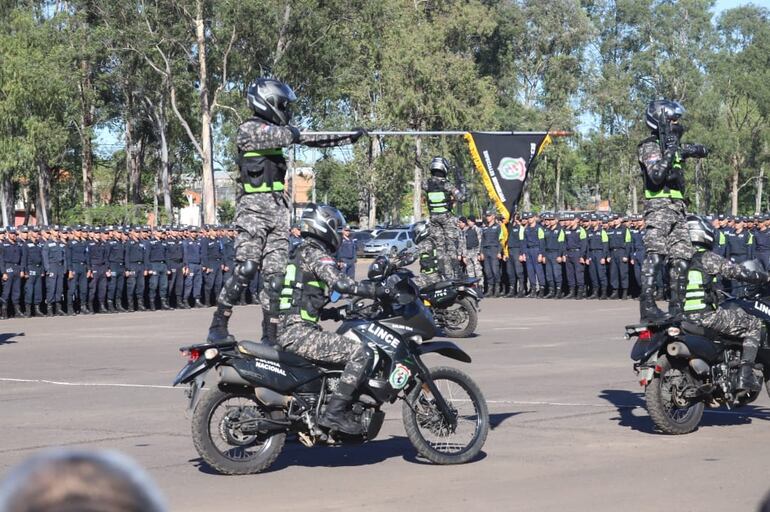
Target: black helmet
439,166
421,231
323,223
666,109
380,268
271,100
701,232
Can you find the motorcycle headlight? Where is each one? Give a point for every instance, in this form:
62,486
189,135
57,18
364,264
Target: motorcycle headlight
210,353
673,331
417,339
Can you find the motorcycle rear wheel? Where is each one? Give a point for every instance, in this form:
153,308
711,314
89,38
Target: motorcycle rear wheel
225,443
460,319
668,416
428,431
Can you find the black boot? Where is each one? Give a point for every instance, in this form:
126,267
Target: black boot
571,294
540,293
602,293
103,308
594,294
551,292
110,306
198,303
26,312
37,310
746,379
520,293
152,304
581,293
119,306
164,304
338,416
85,308
60,309
624,294
49,309
69,308
3,311
140,305
218,329
677,278
559,293
511,292
269,328
182,303
614,295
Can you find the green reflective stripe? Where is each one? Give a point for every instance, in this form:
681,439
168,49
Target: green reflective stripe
695,294
291,274
605,238
673,194
583,234
264,152
265,187
694,305
540,233
436,197
628,236
562,236
751,239
317,284
722,240
307,316
521,232
694,279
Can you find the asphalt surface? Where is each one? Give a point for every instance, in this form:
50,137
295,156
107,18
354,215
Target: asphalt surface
569,431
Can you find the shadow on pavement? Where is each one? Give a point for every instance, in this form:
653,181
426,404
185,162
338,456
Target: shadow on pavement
627,401
496,419
349,455
6,338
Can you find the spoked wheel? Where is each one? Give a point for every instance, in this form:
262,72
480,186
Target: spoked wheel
225,433
432,435
460,319
670,410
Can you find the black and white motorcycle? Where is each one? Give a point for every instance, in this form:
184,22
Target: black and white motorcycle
258,395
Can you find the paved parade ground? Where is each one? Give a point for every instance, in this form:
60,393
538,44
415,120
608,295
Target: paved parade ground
568,432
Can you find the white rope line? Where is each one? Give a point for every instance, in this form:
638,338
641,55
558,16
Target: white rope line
86,384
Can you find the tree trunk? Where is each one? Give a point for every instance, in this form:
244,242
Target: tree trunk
734,186
87,117
133,170
6,198
209,199
367,200
43,191
556,204
417,185
760,185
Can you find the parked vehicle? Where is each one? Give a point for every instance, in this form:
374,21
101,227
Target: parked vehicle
389,242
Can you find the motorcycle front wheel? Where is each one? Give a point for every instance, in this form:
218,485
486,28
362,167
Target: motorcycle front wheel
670,412
460,319
427,429
225,433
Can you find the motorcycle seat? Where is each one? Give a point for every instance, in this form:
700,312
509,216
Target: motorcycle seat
436,286
699,330
263,351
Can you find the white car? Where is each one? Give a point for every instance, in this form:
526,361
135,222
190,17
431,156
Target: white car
389,242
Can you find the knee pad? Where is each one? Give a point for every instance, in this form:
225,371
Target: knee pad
678,269
650,266
245,271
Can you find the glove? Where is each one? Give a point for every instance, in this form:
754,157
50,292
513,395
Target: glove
359,132
294,133
382,291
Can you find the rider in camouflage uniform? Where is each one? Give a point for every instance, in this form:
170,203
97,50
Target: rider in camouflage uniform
701,305
262,210
441,195
661,158
428,253
311,273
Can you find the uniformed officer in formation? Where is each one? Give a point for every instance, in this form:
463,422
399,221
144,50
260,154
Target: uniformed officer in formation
491,254
514,259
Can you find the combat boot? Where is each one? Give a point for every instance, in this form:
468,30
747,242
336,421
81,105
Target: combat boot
119,306
59,307
85,308
511,293
550,294
746,379
218,329
614,295
540,293
103,308
660,294
164,304
140,305
269,328
37,310
624,294
198,303
182,303
594,291
581,293
602,293
520,293
559,293
152,305
111,306
26,312
3,311
338,416
570,293
69,308
49,309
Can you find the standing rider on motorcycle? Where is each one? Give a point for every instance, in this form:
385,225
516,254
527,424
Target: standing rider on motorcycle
701,303
311,273
428,252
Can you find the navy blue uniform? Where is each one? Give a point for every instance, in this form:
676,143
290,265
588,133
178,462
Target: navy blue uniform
137,263
619,243
740,248
597,250
513,267
117,263
762,247
158,282
55,264
490,248
32,265
11,259
553,242
346,254
228,256
637,254
576,246
211,259
99,265
78,284
175,263
192,261
533,247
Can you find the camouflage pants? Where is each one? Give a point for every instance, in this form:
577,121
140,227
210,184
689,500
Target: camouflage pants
666,232
423,280
445,231
473,266
262,221
309,341
733,322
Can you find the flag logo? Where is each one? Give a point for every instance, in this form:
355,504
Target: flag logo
512,168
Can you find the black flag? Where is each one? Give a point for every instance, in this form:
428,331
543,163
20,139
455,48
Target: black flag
504,162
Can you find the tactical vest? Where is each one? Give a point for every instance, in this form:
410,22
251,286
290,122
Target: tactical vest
262,171
471,238
429,262
300,293
438,201
670,188
699,294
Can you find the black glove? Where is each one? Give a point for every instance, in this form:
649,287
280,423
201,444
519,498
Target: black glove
359,132
294,133
382,291
693,151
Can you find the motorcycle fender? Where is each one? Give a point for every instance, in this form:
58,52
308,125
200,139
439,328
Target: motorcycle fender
190,371
195,391
646,373
446,349
643,349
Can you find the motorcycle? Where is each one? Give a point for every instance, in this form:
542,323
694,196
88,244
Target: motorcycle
684,367
260,394
455,305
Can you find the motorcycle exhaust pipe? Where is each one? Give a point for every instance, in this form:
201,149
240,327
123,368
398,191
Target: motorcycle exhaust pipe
270,398
699,366
678,349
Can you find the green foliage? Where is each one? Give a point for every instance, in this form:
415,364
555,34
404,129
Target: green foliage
226,212
106,214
